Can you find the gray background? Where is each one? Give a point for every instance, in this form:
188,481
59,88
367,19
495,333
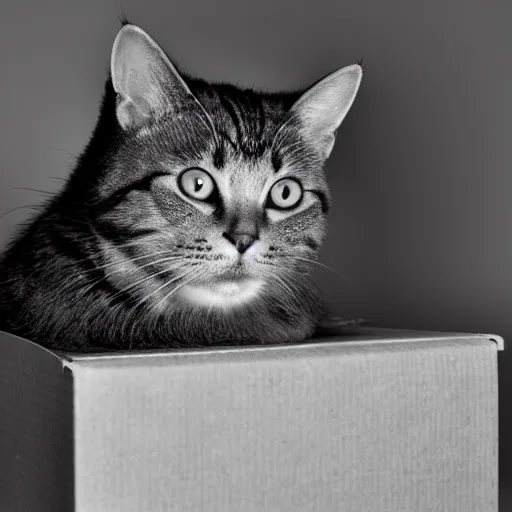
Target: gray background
421,172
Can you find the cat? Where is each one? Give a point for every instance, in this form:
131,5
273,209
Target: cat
193,216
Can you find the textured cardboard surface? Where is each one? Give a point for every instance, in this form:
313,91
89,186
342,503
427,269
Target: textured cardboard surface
388,421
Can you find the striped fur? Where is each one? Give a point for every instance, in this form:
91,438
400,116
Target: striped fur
121,259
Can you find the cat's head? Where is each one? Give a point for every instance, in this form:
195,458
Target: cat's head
215,196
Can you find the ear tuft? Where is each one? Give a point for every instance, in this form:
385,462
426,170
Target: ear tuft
123,19
323,107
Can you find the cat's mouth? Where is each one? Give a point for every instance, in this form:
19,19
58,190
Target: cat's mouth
228,287
231,287
228,290
235,273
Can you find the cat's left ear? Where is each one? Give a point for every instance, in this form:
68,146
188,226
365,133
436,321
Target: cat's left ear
322,108
144,78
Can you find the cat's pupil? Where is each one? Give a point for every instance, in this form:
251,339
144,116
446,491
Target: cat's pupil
286,192
198,184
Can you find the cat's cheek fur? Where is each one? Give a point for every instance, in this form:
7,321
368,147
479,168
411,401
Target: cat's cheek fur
178,212
306,229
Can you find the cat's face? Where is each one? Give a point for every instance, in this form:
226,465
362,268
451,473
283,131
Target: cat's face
224,199
237,231
249,237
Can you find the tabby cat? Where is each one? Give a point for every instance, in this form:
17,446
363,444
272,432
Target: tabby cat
193,216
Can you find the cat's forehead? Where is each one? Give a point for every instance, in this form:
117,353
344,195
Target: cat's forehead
245,121
236,128
238,138
242,178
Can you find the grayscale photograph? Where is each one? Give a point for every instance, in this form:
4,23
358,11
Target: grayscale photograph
255,256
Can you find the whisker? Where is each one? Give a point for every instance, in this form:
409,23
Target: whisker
176,288
35,190
324,266
140,281
124,246
176,278
284,285
93,284
133,270
116,249
63,151
31,206
131,260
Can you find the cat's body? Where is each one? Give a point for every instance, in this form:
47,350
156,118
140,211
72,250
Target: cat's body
191,218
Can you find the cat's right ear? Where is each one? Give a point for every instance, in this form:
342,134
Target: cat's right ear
145,80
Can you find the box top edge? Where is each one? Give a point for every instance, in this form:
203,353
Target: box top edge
366,336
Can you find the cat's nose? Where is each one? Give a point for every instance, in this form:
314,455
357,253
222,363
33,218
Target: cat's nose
242,241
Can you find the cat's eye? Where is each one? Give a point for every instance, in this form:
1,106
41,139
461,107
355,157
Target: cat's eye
285,194
197,184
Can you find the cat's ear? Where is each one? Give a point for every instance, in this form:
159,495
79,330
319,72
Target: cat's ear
322,108
143,77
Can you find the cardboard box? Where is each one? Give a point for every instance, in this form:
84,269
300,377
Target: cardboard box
381,421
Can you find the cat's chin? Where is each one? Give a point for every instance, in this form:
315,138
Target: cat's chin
225,294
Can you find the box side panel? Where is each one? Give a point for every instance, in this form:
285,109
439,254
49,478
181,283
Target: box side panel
36,429
381,428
